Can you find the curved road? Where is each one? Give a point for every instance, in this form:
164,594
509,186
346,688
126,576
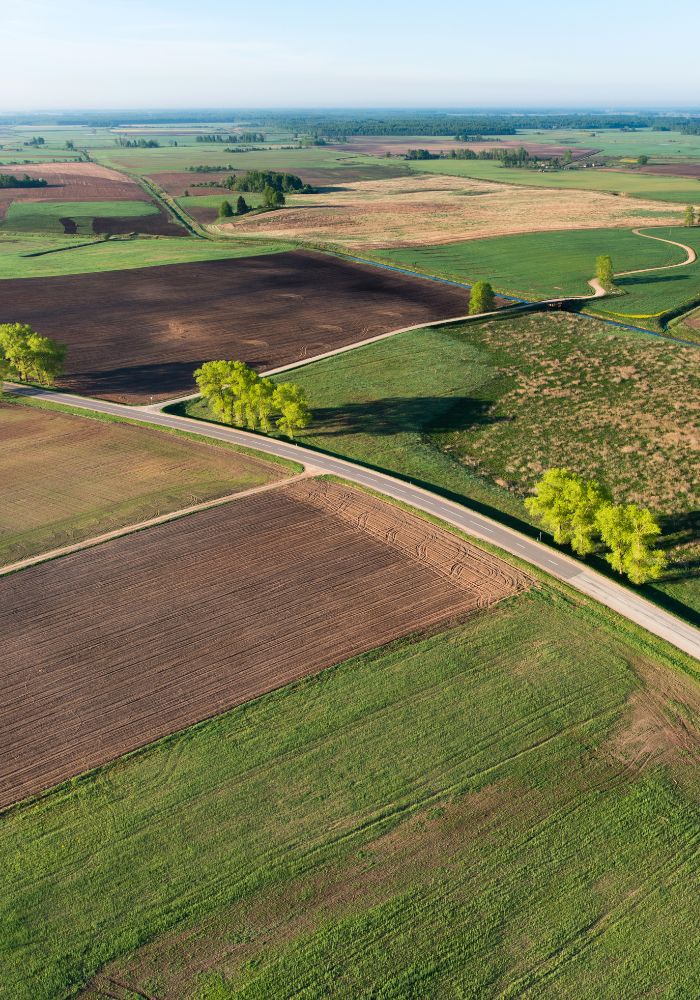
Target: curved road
576,574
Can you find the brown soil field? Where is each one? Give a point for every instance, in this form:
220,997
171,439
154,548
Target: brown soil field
97,476
71,182
103,653
176,182
428,209
136,333
399,145
151,225
671,169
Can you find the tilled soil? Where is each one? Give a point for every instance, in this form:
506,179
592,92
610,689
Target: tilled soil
139,333
111,648
71,182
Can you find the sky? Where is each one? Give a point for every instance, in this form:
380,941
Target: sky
97,54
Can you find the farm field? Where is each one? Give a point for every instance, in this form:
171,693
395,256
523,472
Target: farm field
141,333
72,217
489,811
627,183
68,182
205,207
542,265
23,255
133,657
478,412
620,142
99,475
400,145
425,209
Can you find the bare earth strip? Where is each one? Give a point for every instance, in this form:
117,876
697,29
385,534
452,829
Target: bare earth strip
109,649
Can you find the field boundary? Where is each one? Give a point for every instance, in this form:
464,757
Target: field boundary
130,529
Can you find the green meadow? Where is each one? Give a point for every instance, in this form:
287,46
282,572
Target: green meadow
45,216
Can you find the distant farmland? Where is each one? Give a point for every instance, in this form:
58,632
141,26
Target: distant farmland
137,333
152,632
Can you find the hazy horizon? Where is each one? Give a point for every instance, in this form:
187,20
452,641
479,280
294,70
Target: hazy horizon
166,56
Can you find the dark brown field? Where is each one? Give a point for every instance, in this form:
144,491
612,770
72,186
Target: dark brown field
150,225
136,333
113,647
671,169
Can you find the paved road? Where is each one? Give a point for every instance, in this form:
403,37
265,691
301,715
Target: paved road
577,575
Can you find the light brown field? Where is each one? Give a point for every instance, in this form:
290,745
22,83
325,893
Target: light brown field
70,182
66,478
111,648
411,211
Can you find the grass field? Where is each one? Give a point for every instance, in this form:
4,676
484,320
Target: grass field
146,161
479,412
486,812
44,217
619,142
117,254
626,183
540,265
67,478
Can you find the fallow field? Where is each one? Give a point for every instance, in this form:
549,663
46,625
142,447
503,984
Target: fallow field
154,631
99,475
140,333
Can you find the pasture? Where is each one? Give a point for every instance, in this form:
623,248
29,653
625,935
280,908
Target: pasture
142,332
72,217
205,207
488,811
135,655
479,411
624,183
98,475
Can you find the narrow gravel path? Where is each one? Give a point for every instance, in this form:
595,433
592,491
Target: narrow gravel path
690,259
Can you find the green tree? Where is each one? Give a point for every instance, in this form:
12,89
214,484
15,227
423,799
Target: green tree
29,357
604,270
568,506
481,299
225,210
568,158
272,198
214,381
241,205
262,403
630,533
689,217
643,159
292,403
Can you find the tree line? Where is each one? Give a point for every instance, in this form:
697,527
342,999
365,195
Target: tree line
10,181
26,356
258,180
242,398
138,143
581,513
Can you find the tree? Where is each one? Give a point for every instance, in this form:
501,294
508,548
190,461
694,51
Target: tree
29,357
481,299
69,144
604,270
689,218
568,506
241,205
291,401
568,158
643,159
630,532
272,198
214,382
225,210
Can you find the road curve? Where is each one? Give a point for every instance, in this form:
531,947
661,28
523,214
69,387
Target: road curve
690,259
584,579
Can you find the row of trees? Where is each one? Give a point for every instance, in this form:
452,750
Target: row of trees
241,397
580,512
138,143
11,181
26,356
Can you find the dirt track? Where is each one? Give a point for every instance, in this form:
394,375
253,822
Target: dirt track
103,653
136,333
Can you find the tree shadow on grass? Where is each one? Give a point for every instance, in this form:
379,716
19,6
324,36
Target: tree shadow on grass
404,414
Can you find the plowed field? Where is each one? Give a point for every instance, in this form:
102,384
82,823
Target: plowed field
71,182
116,646
142,332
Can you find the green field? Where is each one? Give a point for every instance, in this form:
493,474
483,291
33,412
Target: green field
619,142
651,187
540,265
117,254
544,265
45,216
461,815
479,411
253,199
